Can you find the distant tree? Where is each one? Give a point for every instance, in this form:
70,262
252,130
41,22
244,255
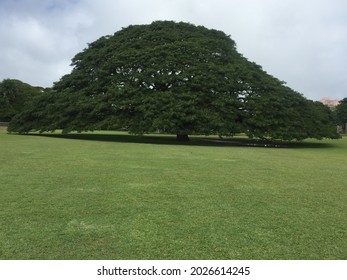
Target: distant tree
14,95
168,77
341,114
320,121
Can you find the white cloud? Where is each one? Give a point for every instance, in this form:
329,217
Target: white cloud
301,42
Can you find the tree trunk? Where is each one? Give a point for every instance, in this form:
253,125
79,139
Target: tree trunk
182,137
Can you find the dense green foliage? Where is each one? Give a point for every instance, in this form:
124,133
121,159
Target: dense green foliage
118,196
341,114
14,95
173,78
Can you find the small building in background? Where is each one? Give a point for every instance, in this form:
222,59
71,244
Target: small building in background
329,102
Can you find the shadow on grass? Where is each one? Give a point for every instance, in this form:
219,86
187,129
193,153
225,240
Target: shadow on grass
194,140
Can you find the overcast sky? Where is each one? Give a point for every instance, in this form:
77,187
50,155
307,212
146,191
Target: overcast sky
302,42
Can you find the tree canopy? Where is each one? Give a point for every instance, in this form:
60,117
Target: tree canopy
174,78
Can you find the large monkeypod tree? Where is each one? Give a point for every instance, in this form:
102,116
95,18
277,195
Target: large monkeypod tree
166,77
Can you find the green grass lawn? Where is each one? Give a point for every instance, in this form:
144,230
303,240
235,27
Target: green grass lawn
114,196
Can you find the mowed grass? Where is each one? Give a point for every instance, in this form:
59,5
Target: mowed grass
112,196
